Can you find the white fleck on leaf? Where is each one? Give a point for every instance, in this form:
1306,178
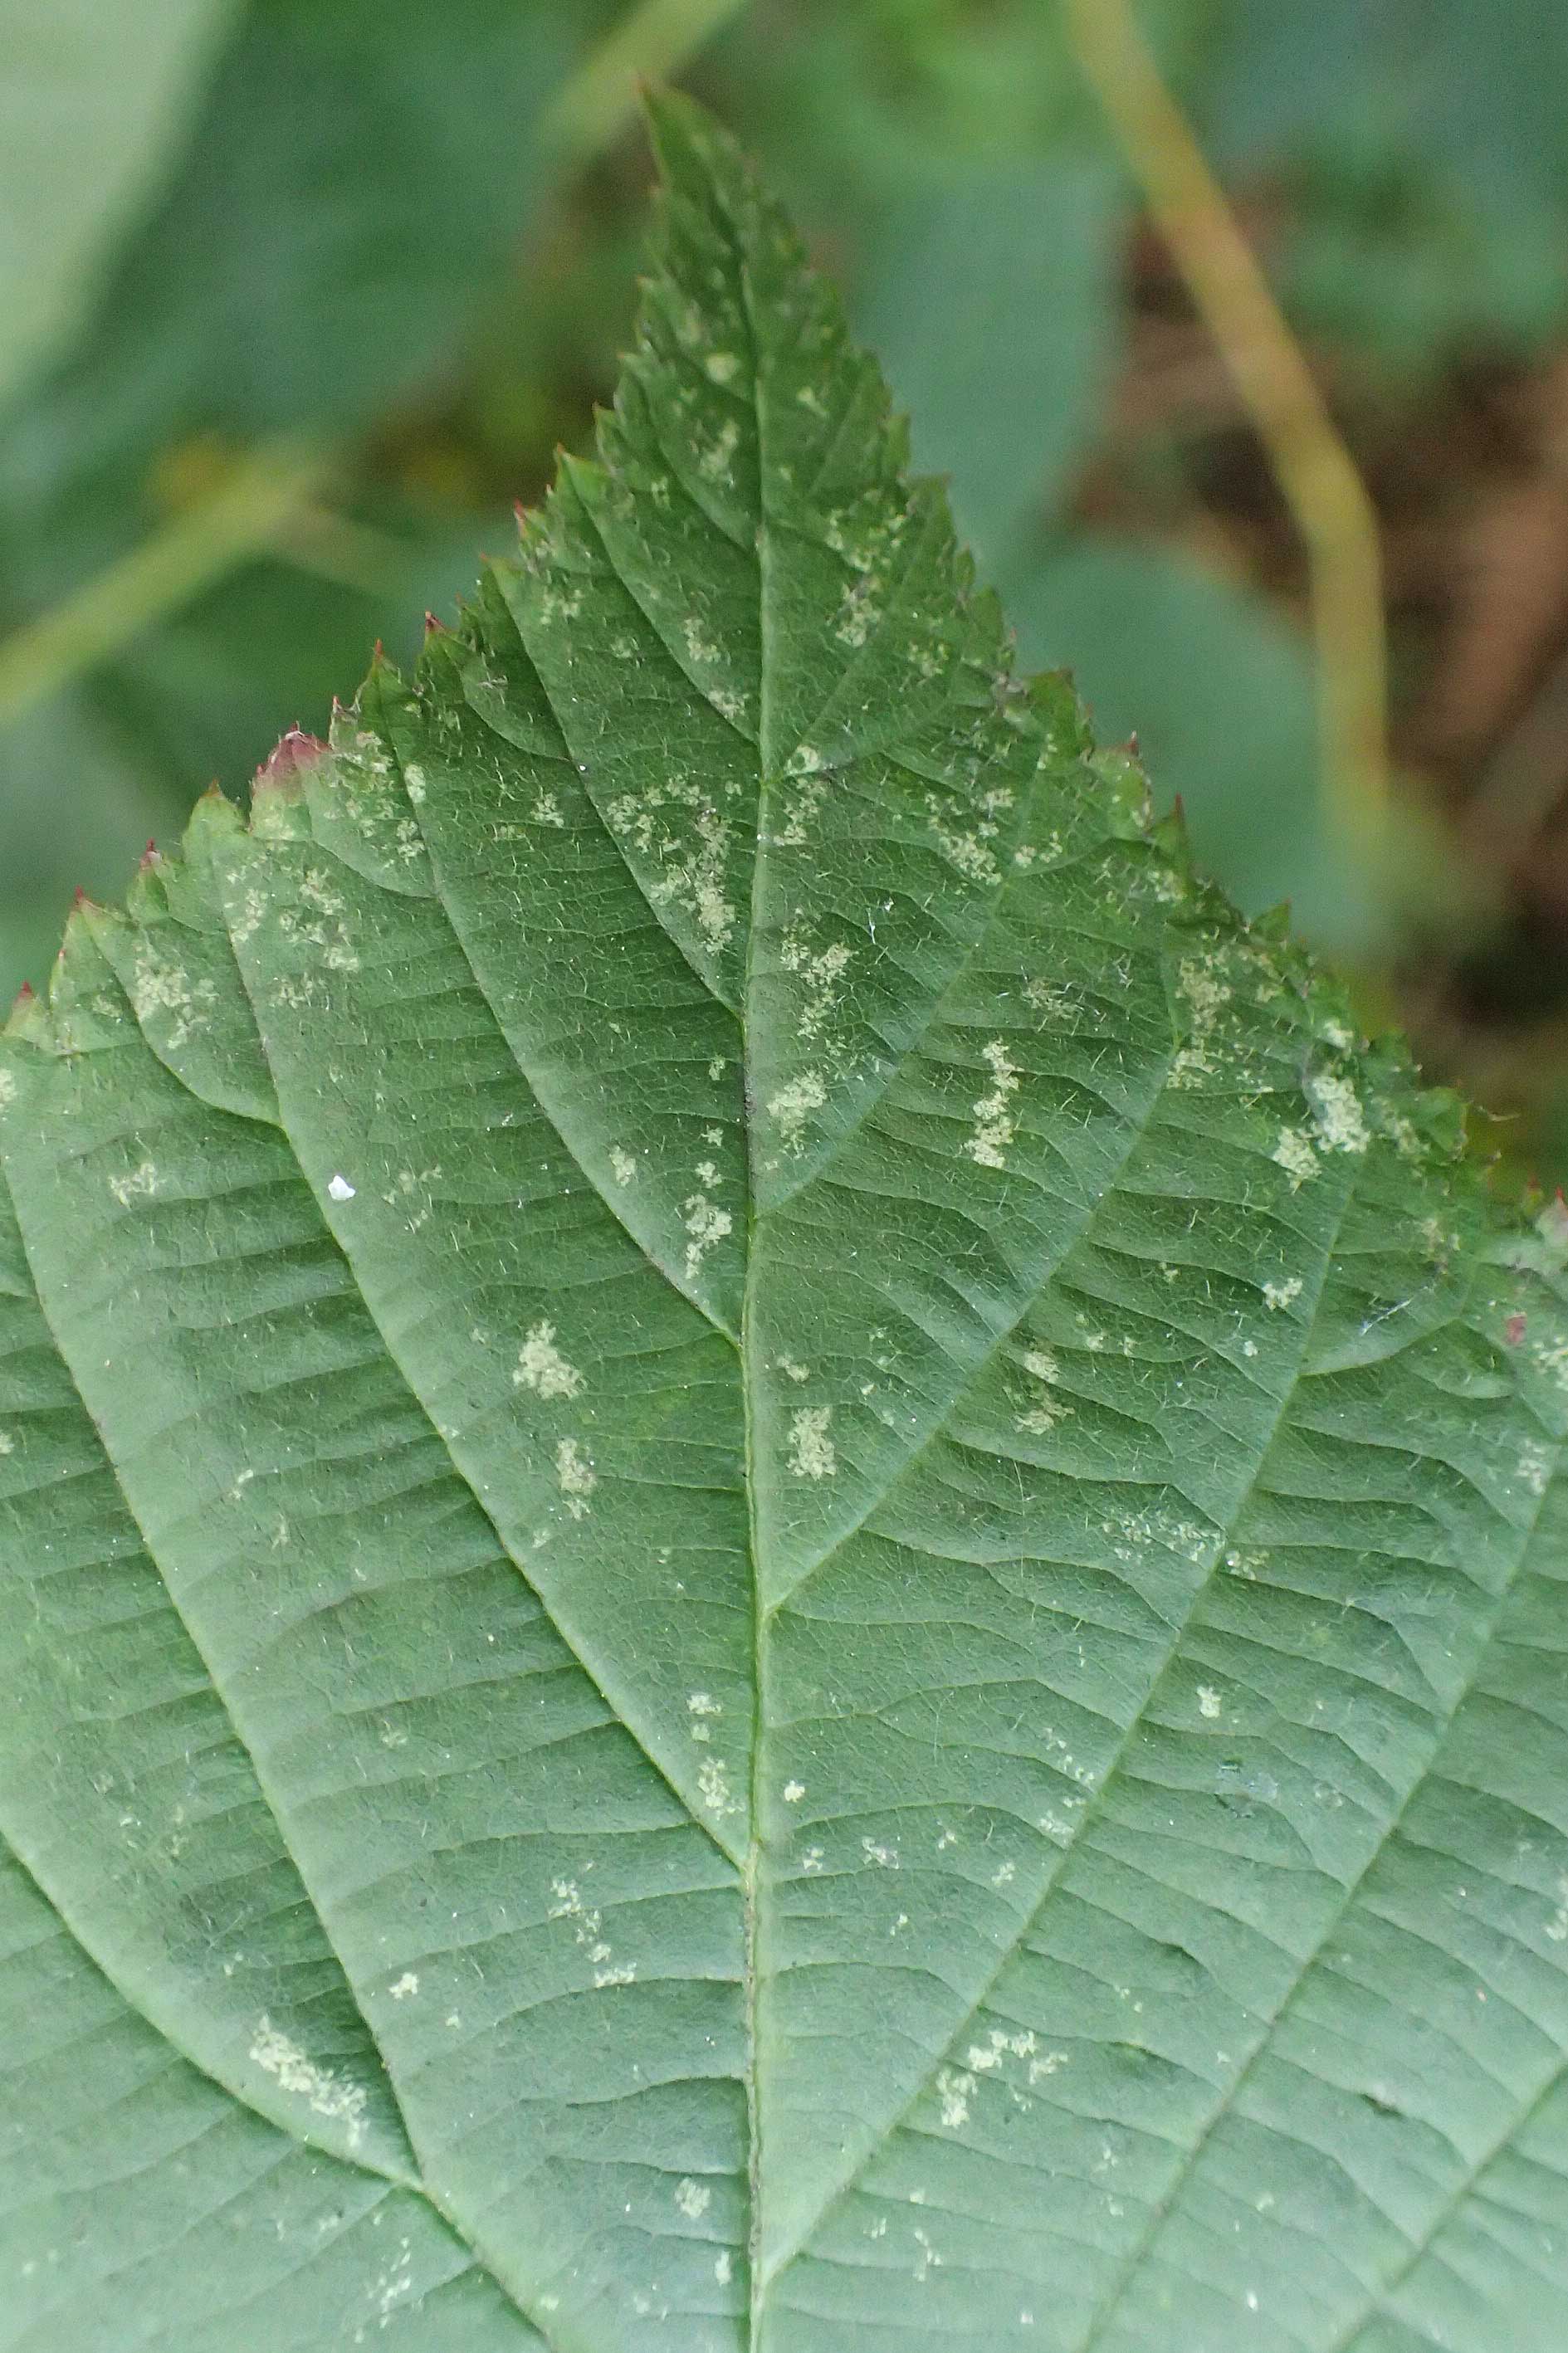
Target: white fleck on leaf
575,1476
996,1119
1337,1111
792,1105
1294,1152
325,2090
812,1452
543,1368
856,1328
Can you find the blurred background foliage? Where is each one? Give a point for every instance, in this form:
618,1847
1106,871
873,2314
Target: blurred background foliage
298,296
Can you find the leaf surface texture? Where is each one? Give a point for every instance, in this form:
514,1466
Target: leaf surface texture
782,1565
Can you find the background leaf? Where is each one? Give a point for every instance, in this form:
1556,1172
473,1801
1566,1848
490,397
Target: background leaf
352,237
1432,155
1143,631
354,190
91,93
990,300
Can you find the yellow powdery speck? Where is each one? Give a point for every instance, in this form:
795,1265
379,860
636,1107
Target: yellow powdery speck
812,1454
1047,1409
328,2093
141,1183
716,462
953,2089
623,1162
575,1475
691,859
792,1105
970,853
1295,1155
1058,1004
996,1123
1535,1467
699,1707
707,1225
713,1787
702,649
160,986
1337,1110
541,1368
822,975
803,808
1206,996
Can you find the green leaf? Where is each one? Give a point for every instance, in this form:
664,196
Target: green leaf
989,297
352,190
346,204
1427,161
91,93
90,776
1219,691
782,1567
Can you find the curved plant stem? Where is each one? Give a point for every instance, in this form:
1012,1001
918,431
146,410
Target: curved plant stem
653,41
255,502
1326,497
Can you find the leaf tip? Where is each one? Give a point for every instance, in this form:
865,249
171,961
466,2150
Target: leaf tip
696,157
292,756
24,1014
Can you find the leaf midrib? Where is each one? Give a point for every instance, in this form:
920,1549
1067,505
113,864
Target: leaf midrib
752,1864
759,2284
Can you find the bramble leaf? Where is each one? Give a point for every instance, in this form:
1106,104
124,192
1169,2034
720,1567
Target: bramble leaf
782,1566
